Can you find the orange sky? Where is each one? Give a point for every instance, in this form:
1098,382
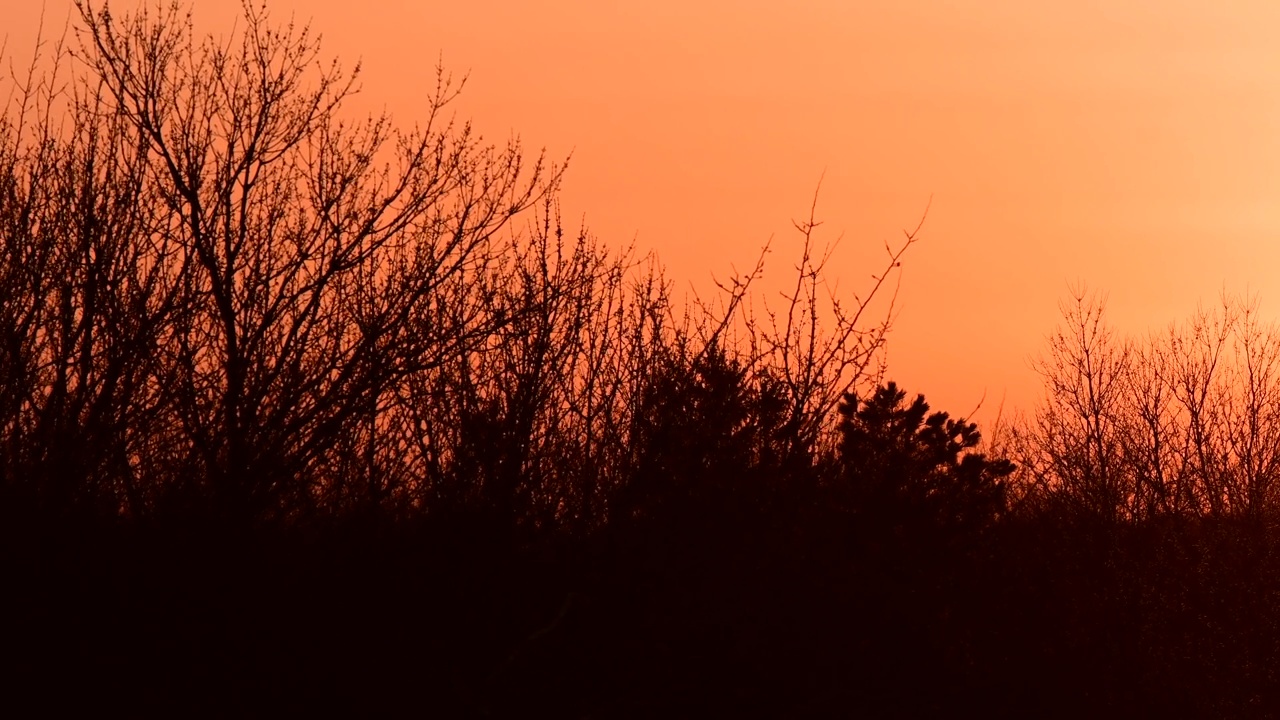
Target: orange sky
1133,145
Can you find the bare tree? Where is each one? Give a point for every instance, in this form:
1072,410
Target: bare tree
230,296
1182,423
85,296
311,255
1073,446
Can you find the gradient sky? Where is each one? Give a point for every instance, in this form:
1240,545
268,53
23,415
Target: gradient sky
1130,145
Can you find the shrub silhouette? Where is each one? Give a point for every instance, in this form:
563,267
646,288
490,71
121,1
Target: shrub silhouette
916,471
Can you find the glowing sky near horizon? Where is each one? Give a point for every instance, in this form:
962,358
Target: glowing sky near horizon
1129,145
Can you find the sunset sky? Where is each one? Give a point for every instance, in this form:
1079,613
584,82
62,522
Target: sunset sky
1129,145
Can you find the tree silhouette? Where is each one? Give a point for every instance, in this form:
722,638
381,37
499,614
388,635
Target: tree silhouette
214,282
911,470
301,410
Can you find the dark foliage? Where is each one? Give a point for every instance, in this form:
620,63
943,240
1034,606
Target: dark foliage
914,469
304,415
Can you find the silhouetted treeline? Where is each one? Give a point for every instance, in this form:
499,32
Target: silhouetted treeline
307,414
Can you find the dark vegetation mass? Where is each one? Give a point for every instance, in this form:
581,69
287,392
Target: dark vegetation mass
305,413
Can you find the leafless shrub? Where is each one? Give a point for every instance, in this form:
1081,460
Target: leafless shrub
1182,423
